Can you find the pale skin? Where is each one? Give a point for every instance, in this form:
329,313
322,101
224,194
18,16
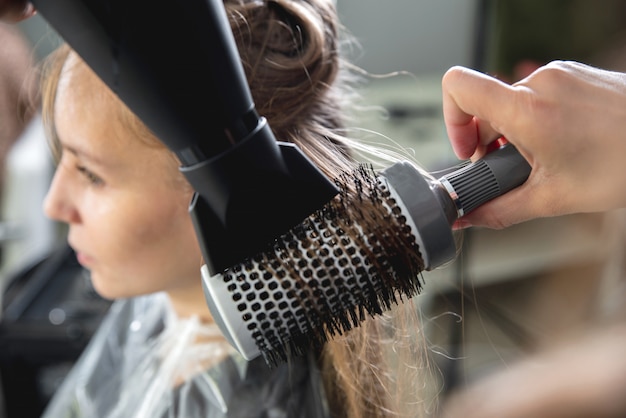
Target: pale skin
125,202
580,378
566,118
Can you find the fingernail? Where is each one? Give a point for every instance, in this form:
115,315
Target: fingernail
461,224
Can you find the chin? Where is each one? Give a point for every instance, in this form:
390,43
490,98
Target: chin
107,289
107,295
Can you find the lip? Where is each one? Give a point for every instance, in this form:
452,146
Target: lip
83,259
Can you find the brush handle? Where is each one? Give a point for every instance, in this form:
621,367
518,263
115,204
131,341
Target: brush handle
432,206
481,181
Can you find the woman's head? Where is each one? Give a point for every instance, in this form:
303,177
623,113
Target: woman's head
119,191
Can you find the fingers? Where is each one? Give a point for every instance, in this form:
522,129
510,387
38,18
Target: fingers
471,121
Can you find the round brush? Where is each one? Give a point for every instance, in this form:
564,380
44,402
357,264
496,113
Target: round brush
357,256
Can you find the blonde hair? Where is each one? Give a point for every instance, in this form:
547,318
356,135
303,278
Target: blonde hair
291,55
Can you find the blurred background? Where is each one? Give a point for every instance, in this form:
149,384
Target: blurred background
509,293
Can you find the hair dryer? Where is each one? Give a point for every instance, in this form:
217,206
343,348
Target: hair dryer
176,66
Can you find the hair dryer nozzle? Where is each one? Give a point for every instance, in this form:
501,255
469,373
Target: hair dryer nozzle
250,195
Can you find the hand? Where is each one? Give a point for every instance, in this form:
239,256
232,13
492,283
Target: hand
581,377
13,11
567,119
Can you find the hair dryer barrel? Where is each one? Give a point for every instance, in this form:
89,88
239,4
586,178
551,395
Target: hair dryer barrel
174,64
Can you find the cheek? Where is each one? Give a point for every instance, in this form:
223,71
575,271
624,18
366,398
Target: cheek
160,235
145,249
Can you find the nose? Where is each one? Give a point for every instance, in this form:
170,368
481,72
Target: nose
59,203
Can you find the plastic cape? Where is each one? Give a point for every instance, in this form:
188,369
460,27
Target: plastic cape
143,361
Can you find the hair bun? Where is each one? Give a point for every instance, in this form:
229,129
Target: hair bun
289,50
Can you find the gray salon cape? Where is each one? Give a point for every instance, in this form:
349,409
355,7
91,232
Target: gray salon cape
145,362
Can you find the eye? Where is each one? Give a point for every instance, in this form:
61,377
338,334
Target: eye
90,176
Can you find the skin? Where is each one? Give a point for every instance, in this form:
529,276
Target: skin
567,119
124,201
580,378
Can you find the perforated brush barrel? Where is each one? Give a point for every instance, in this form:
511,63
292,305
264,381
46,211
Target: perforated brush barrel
353,258
357,256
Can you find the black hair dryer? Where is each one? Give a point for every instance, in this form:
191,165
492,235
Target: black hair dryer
177,67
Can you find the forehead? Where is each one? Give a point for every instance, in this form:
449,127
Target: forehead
87,122
89,117
79,84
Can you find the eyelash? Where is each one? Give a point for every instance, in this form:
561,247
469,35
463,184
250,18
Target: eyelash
91,177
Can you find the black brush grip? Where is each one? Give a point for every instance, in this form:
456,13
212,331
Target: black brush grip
497,173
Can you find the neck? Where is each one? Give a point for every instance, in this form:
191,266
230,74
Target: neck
189,301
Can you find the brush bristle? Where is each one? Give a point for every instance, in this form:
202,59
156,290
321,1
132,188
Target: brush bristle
355,257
